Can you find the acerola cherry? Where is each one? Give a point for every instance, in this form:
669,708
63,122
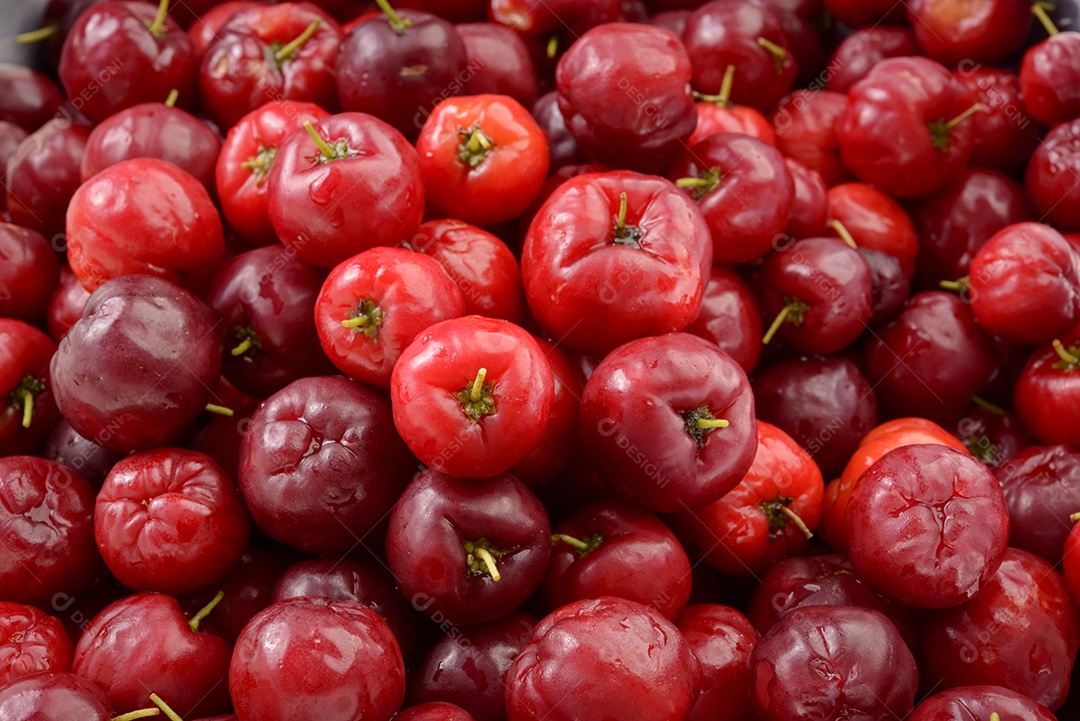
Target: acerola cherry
1004,135
435,711
467,551
112,216
29,407
313,657
871,673
809,214
730,318
169,521
498,62
483,158
984,33
66,305
1047,390
981,702
858,53
1048,76
1042,491
1050,176
721,639
805,124
31,641
624,92
54,696
471,396
42,175
875,221
29,273
638,666
668,421
343,185
949,515
30,98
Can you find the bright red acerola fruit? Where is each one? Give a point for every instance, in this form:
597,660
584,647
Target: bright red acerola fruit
483,158
28,409
1047,393
32,642
611,257
471,396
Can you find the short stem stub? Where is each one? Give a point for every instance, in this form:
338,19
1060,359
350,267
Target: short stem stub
174,95
260,163
552,47
842,231
285,52
36,36
583,546
475,146
1070,358
396,22
779,515
779,55
799,523
941,130
700,422
165,708
203,612
476,398
703,183
23,397
793,312
481,558
219,410
327,152
366,318
627,235
1075,517
960,285
248,341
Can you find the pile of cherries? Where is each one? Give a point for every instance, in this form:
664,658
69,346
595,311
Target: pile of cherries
541,360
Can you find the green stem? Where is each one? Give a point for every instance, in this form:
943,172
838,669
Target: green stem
243,348
174,94
552,47
1040,12
485,555
476,392
165,709
286,51
794,518
219,410
987,405
1075,517
1066,357
28,408
157,28
693,183
845,236
195,620
779,55
976,108
959,285
36,36
399,25
725,86
324,148
141,713
570,541
711,423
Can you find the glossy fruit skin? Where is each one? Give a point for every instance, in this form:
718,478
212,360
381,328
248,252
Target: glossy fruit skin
1026,614
43,174
1004,135
425,545
810,207
482,266
723,33
113,214
126,647
934,329
749,199
826,404
1041,485
468,666
628,536
31,98
279,669
496,185
254,141
588,288
991,436
876,222
204,31
408,291
1053,162
327,211
636,413
54,696
979,702
1046,391
353,579
29,273
170,521
985,33
1070,564
33,642
831,281
25,354
111,61
890,287
882,439
239,71
872,674
717,118
134,332
721,639
1025,284
442,363
822,580
267,296
153,130
730,318
66,305
499,61
1048,79
46,529
957,221
805,124
562,146
927,526
745,531
641,128
885,134
436,711
858,53
321,465
400,77
580,646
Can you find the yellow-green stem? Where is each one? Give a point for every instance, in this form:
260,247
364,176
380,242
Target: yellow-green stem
286,51
165,708
1040,12
219,410
36,36
478,385
484,555
195,620
157,28
845,236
